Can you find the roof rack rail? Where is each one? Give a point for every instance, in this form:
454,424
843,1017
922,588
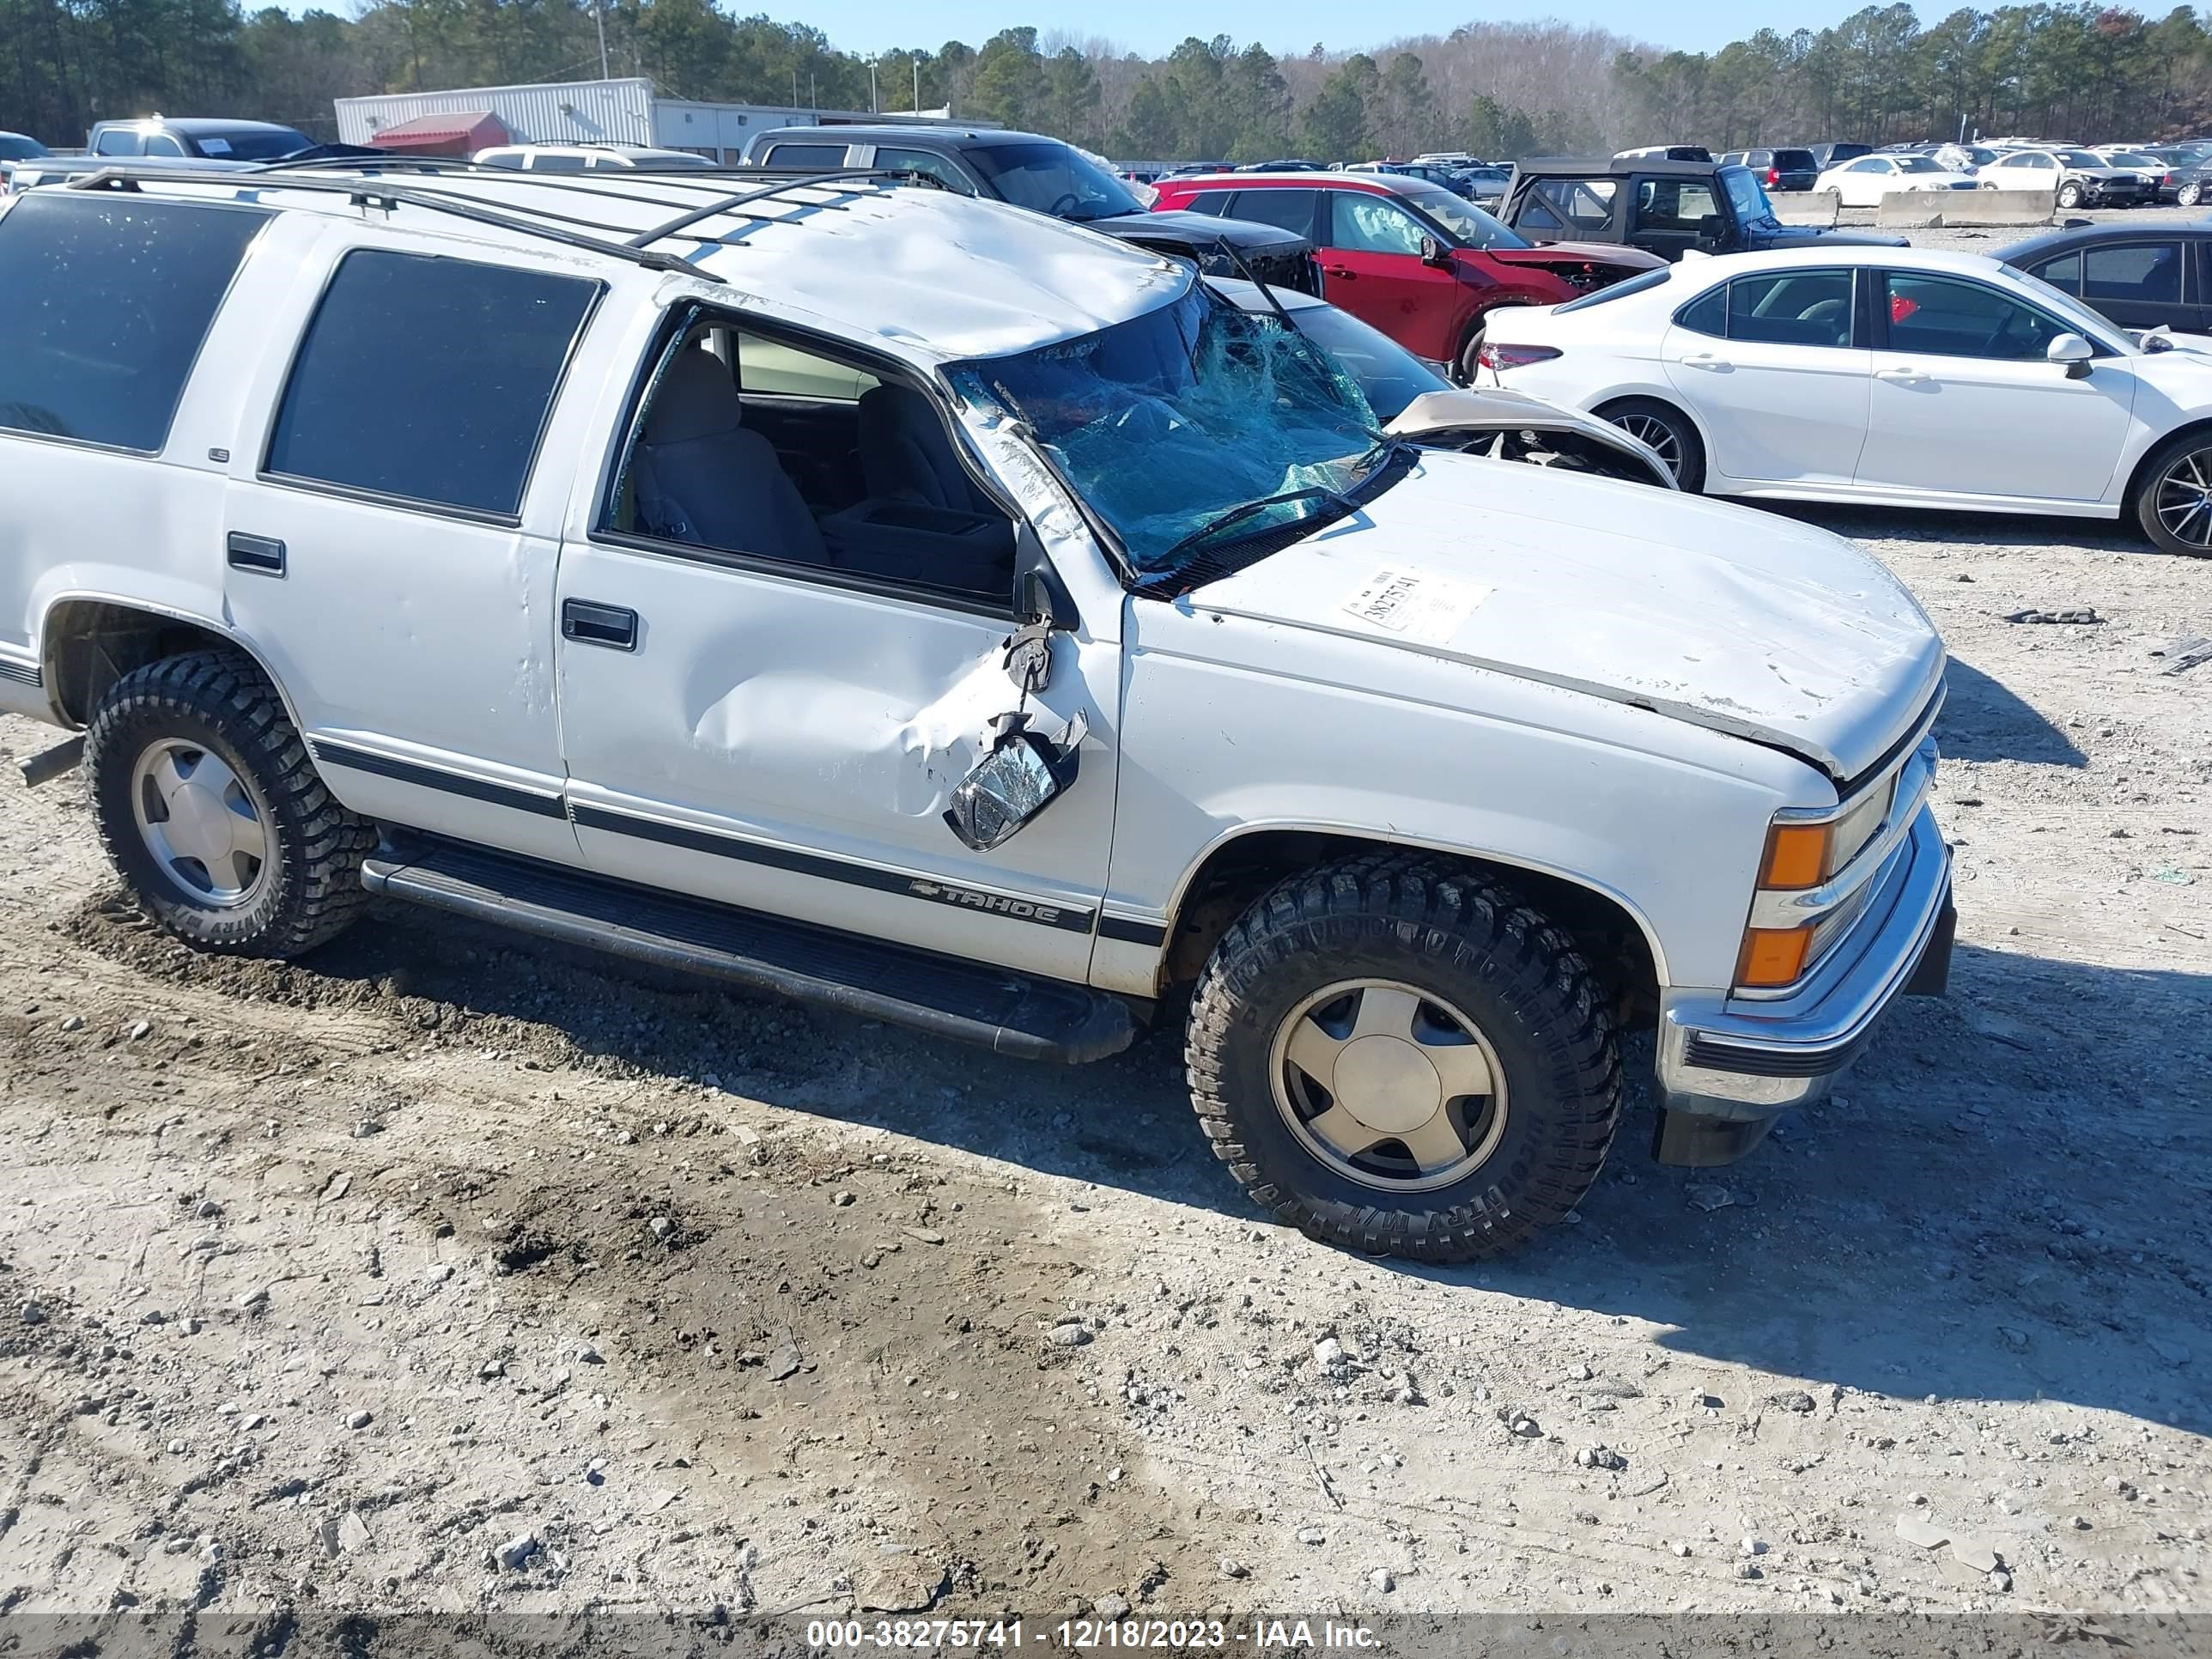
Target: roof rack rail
362,193
591,235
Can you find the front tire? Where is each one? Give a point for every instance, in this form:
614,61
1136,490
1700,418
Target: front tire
2173,503
1667,430
1402,1057
2069,196
210,809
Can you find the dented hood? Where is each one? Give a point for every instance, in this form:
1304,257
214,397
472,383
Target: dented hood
1724,616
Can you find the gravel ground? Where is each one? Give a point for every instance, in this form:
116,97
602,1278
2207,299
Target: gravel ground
446,1272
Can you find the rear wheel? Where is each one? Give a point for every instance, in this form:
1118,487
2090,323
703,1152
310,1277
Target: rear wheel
1669,431
1401,1057
2190,195
2173,503
211,810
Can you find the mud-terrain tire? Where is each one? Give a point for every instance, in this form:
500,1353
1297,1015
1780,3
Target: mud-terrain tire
1485,971
192,748
1669,431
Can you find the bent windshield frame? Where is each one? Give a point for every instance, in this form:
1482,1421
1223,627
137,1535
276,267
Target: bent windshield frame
1167,424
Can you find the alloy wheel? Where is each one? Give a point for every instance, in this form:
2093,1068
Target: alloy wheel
1657,434
2183,499
1389,1086
205,827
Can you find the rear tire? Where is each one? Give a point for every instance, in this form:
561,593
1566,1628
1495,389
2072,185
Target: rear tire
1667,430
210,809
1519,1067
2173,501
2190,195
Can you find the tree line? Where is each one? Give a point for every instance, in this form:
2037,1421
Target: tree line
1500,90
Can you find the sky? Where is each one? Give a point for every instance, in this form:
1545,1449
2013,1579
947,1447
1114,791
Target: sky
1154,26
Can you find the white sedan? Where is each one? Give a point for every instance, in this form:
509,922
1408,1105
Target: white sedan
1864,182
1899,376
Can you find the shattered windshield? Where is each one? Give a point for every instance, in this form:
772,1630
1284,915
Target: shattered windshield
1181,427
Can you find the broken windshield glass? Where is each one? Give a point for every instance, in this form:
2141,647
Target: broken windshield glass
1167,422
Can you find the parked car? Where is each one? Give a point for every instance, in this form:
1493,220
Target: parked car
196,137
1047,176
1406,256
2139,277
1904,377
1665,152
1665,207
1487,183
858,701
585,158
2078,178
2190,183
19,147
1830,153
1865,181
1776,169
1420,403
2156,173
1188,168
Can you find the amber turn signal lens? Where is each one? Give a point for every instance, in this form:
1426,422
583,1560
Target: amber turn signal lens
1796,857
1773,956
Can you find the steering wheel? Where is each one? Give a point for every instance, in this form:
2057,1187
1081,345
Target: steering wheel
1067,202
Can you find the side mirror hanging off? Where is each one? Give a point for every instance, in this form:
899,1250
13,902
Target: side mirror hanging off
1022,775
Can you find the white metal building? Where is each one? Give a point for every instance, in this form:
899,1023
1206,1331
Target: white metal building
619,112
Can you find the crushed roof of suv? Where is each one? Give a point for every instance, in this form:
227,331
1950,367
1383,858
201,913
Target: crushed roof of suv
932,274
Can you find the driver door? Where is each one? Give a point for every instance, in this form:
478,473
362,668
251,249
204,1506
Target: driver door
1371,267
751,717
1964,401
1670,215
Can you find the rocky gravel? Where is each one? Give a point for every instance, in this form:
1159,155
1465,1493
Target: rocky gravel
444,1272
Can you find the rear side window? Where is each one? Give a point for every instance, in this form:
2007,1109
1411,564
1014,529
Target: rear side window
108,300
1706,314
2063,273
936,167
806,155
2149,273
1792,307
119,141
1674,204
1287,210
1215,202
428,379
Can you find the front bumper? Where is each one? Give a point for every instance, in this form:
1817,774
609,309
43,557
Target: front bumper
1726,1068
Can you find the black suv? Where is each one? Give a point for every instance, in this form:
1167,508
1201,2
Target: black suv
1776,169
1047,176
1666,207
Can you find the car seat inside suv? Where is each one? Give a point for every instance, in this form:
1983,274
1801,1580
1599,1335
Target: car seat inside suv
702,477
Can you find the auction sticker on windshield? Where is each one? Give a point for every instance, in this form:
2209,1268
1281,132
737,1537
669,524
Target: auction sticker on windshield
1420,607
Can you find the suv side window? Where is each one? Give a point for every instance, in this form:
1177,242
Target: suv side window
1570,205
1215,202
770,369
428,379
922,160
1367,223
1291,210
1674,203
119,141
161,143
1949,317
109,298
805,156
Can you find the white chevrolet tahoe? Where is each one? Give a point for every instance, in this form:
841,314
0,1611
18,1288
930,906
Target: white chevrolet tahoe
880,597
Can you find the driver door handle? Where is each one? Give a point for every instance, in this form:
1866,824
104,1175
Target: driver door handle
588,623
1902,376
1344,272
1706,360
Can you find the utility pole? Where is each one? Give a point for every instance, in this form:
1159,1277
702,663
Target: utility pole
917,85
599,16
874,107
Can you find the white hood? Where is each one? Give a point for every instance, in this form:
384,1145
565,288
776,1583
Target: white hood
1725,617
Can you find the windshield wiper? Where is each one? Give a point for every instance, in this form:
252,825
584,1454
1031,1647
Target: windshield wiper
1236,515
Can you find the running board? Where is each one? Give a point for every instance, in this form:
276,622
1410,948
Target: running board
1027,1019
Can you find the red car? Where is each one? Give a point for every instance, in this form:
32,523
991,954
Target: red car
1408,256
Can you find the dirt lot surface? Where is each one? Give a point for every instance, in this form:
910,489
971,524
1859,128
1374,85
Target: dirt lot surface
442,1271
